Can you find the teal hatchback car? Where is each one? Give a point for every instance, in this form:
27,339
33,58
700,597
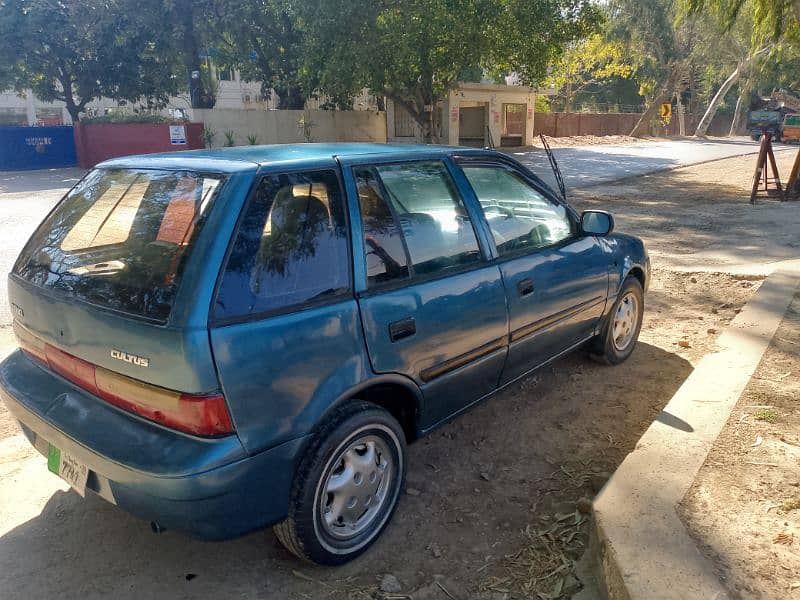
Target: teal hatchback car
218,341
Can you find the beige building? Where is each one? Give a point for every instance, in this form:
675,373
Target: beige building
474,114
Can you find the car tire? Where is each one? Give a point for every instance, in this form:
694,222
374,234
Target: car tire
623,324
356,465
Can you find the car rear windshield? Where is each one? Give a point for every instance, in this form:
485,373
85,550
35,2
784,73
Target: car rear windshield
120,239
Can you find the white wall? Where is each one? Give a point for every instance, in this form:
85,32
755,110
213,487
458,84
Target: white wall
283,126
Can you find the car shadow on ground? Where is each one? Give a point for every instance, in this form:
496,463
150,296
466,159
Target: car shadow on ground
474,486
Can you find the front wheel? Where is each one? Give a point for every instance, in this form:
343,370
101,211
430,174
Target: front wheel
618,339
347,486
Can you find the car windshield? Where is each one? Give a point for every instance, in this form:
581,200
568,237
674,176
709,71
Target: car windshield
120,239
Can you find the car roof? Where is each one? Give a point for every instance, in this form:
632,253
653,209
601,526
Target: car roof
242,158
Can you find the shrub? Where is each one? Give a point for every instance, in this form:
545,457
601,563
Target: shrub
120,117
208,136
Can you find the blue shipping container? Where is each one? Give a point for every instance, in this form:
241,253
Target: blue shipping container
23,148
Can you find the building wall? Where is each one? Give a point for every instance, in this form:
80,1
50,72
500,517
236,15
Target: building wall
493,98
284,126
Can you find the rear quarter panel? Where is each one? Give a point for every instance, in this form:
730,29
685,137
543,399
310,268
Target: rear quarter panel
626,253
282,373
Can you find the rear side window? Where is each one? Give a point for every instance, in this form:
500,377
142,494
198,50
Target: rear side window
120,238
290,249
387,259
415,203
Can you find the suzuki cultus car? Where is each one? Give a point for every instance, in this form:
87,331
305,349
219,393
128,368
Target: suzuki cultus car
219,341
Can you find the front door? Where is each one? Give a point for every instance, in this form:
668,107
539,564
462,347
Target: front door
433,308
556,281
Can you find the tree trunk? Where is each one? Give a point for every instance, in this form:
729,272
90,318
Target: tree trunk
642,127
681,116
69,99
290,97
183,19
711,111
737,114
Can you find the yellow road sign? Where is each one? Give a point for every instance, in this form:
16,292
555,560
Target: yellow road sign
666,111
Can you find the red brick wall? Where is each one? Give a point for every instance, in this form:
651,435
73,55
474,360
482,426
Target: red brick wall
569,124
98,142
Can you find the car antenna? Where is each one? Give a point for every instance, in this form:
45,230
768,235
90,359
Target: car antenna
554,165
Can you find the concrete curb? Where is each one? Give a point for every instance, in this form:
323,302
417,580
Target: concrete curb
643,549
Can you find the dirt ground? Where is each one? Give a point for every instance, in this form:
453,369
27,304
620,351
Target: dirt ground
586,140
744,506
496,501
699,217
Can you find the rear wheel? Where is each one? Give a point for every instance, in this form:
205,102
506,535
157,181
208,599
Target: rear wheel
618,339
347,486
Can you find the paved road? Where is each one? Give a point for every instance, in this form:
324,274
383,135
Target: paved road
26,197
584,166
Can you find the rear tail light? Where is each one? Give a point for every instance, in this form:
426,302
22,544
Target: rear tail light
197,414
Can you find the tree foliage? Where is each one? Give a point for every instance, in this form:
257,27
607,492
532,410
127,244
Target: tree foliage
591,62
778,16
262,39
414,51
80,51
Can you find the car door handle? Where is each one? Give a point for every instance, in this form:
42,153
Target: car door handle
525,287
402,329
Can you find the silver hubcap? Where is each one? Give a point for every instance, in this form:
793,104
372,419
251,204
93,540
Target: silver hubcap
625,321
357,487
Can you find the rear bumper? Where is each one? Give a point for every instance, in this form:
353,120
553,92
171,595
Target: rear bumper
208,488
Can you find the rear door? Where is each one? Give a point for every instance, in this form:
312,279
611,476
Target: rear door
556,281
432,306
285,327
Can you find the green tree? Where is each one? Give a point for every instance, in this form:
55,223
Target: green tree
261,38
415,51
780,16
661,46
592,61
80,51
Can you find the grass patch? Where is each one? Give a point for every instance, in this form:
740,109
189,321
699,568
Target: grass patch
766,414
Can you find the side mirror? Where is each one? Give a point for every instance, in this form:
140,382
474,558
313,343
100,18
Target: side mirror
596,222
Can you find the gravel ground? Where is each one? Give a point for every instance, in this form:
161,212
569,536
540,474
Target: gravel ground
744,507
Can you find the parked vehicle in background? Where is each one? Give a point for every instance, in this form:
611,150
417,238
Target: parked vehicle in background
222,340
761,121
791,128
769,113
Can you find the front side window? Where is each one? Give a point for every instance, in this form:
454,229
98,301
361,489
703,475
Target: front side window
290,249
520,217
417,204
120,239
